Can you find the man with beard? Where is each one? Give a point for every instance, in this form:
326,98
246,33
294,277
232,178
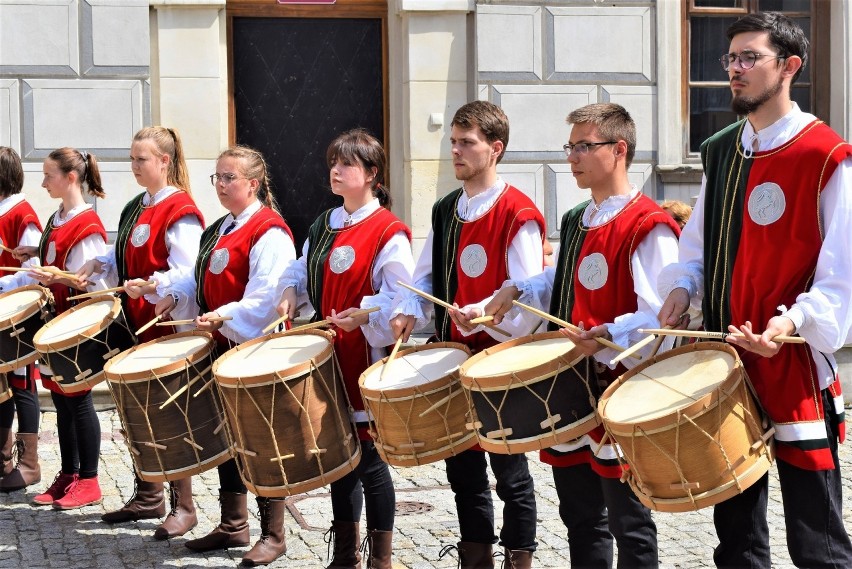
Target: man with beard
766,252
483,233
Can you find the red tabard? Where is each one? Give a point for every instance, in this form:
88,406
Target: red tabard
56,246
344,290
230,283
775,263
494,232
12,226
603,290
152,255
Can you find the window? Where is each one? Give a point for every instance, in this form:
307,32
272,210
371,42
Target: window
706,93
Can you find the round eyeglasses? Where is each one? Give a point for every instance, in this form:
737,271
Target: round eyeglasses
226,178
747,59
582,148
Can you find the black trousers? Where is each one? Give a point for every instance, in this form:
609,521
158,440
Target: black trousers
229,478
595,510
24,401
813,516
79,434
370,482
468,478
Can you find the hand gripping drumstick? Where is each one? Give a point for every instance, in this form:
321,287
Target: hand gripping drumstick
319,323
191,320
717,335
47,269
391,357
281,320
564,324
104,291
448,306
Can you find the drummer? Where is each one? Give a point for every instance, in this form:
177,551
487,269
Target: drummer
19,226
237,275
482,233
157,242
612,247
352,260
73,234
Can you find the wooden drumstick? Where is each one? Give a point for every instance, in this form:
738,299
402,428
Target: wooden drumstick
564,324
632,349
191,320
482,319
149,324
319,323
717,335
447,305
390,357
275,323
104,291
3,247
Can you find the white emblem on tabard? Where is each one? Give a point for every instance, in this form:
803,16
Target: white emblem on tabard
50,256
473,260
341,259
767,203
593,271
140,236
219,260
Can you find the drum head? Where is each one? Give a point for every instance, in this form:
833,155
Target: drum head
669,384
271,355
159,354
17,301
520,357
82,320
416,368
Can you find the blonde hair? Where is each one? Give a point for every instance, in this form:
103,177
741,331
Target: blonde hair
167,141
254,168
679,211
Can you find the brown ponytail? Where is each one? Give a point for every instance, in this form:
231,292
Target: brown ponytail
83,164
167,140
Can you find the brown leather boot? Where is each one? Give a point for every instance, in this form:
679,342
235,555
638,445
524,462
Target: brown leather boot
146,503
518,559
233,531
7,441
474,555
379,544
27,470
272,543
182,516
345,537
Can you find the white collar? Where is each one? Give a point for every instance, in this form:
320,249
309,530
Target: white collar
471,208
240,219
777,133
9,202
148,200
339,216
59,221
595,215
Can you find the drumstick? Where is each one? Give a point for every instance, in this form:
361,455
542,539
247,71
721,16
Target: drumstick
275,323
632,349
191,320
104,291
6,248
717,335
149,324
319,323
482,319
447,305
391,357
564,324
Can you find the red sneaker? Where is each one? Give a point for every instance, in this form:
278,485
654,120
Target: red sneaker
83,491
57,490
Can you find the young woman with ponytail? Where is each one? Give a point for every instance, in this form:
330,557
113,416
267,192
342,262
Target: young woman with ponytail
73,234
238,273
158,237
352,259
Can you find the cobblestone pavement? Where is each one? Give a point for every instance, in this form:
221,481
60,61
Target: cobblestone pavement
39,537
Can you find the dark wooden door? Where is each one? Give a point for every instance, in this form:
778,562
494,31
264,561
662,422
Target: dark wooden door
297,84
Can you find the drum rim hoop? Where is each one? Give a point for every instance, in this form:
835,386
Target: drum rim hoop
538,372
29,310
407,392
167,369
278,375
87,334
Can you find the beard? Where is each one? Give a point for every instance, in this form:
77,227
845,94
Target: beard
747,105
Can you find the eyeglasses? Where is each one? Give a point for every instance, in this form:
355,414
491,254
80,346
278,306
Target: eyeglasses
226,178
582,148
747,59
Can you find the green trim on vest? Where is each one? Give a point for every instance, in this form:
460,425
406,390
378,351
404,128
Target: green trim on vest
209,238
126,221
726,172
321,238
571,238
446,232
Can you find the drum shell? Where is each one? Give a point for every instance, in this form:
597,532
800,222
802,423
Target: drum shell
17,332
515,400
718,441
430,439
294,411
5,391
88,350
196,415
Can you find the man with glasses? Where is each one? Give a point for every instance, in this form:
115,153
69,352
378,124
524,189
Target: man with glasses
612,248
766,252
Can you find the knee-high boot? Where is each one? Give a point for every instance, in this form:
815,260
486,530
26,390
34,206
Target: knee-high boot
182,516
345,538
